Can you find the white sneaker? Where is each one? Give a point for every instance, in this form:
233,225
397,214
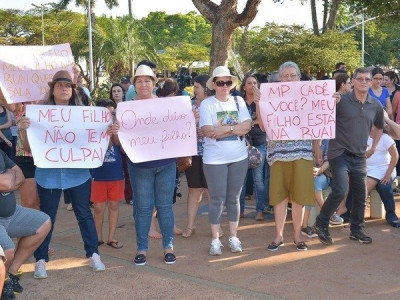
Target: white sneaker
215,248
96,263
336,220
40,269
69,207
235,245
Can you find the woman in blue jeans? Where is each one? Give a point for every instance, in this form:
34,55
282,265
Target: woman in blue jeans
75,183
257,138
153,183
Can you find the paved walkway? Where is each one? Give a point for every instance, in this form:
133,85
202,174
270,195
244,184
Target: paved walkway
346,270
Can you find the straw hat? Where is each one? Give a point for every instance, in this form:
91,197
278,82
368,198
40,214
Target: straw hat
144,70
62,76
221,71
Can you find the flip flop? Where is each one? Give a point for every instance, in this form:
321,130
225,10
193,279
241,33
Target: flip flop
115,244
100,243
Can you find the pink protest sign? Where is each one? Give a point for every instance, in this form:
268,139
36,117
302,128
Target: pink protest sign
157,128
300,110
68,136
26,70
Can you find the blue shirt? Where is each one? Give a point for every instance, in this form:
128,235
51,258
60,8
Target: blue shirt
61,178
111,169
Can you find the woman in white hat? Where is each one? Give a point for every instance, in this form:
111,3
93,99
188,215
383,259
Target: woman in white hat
153,183
224,121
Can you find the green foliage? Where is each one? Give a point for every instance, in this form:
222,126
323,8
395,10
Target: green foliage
274,44
180,39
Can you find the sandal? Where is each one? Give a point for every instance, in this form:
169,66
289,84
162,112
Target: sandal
188,232
115,244
100,243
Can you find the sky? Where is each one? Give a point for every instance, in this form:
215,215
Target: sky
290,12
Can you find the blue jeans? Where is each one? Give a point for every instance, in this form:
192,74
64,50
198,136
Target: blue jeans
261,183
343,167
79,195
385,191
153,187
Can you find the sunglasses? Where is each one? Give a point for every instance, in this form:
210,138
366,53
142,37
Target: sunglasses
221,83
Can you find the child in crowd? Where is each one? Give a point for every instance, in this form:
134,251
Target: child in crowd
108,187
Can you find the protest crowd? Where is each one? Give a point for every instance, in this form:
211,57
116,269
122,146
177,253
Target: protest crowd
345,151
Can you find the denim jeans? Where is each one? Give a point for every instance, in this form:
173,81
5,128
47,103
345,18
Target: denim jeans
79,195
385,191
261,183
346,167
153,187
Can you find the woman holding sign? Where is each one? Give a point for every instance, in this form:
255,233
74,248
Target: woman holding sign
153,183
52,181
291,174
224,121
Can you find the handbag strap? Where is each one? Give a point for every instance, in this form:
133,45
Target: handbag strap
238,110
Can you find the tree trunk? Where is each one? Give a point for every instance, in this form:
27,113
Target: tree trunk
332,14
326,9
224,20
314,17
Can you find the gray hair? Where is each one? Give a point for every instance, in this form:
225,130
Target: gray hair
289,64
361,70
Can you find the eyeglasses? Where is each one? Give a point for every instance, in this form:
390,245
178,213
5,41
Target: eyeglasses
290,76
360,79
221,83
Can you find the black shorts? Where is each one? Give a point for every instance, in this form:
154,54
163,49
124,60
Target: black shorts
195,175
27,165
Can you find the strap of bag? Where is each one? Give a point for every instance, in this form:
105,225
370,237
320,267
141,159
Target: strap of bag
238,110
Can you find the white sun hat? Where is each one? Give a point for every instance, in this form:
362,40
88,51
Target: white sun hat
221,71
144,70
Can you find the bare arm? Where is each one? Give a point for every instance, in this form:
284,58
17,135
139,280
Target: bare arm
222,131
376,136
389,108
11,179
8,123
394,156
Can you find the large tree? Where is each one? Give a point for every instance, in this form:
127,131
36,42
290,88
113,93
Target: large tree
224,19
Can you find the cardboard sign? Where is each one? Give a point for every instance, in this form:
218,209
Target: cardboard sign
26,70
158,128
68,136
300,110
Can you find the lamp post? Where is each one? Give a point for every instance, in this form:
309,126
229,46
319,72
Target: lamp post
91,72
41,6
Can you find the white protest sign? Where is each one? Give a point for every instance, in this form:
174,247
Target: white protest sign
26,70
68,136
157,128
299,110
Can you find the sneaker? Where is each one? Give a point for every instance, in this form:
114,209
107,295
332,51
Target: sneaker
235,245
96,263
361,237
16,285
169,258
40,269
323,234
8,292
140,259
215,248
309,232
336,220
301,246
274,246
69,207
269,210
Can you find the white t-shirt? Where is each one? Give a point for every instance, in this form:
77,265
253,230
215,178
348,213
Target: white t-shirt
377,163
214,112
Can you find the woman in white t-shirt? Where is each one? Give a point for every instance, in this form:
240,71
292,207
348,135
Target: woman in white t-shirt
381,172
224,121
